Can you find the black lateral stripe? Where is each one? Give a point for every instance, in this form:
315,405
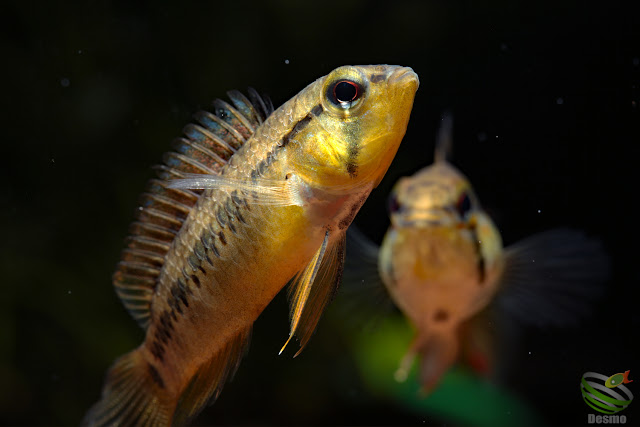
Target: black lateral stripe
301,124
481,264
352,153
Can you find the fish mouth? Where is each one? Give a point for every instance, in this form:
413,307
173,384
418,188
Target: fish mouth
404,77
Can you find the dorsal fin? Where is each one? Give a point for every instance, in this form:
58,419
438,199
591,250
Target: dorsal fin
444,143
206,147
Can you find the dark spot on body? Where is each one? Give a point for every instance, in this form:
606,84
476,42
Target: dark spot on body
377,78
317,110
440,316
155,375
221,217
222,237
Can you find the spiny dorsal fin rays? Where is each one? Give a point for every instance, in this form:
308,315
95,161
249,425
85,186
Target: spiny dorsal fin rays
309,299
204,148
444,142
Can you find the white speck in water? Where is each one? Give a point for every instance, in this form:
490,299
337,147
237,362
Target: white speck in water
65,82
140,208
69,291
497,137
79,51
53,160
533,260
529,352
539,211
636,61
286,61
559,100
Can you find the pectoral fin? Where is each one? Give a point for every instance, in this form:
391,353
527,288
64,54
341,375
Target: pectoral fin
312,289
261,191
553,278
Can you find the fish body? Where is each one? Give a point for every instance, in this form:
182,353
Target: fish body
443,263
275,210
617,379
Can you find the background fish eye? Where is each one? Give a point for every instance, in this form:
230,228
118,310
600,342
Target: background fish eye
463,205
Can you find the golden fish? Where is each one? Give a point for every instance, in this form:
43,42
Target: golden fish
280,189
442,262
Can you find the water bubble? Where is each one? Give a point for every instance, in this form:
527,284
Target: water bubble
65,82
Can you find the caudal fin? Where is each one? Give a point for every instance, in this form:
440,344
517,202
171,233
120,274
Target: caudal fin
132,395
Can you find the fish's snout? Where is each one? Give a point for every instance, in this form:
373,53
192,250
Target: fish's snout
403,77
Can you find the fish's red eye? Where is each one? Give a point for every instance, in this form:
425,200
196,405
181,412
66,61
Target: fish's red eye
344,93
392,204
464,204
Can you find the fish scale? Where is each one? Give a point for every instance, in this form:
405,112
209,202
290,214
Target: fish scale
271,205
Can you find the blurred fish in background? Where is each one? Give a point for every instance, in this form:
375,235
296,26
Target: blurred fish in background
443,264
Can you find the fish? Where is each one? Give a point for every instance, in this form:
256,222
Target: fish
251,199
442,263
616,379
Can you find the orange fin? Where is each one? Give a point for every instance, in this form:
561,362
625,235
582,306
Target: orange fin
205,148
134,394
313,288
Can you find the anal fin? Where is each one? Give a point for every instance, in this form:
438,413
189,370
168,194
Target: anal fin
210,377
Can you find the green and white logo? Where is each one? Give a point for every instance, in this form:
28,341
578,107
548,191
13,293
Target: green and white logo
605,394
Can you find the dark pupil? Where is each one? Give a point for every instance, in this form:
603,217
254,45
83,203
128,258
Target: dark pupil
464,204
392,204
345,91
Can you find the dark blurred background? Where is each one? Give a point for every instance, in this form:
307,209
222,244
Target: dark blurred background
545,101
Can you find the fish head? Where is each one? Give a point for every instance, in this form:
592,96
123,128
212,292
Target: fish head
359,118
436,196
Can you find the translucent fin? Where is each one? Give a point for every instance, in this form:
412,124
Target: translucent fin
444,143
205,148
133,394
313,288
363,297
553,278
437,355
211,376
261,191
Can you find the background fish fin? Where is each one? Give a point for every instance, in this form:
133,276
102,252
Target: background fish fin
311,290
437,353
258,190
133,394
363,297
206,384
553,278
444,142
205,148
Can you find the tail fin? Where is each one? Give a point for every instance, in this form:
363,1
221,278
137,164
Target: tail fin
132,395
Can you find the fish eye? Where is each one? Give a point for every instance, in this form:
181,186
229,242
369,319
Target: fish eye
344,93
392,204
463,205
